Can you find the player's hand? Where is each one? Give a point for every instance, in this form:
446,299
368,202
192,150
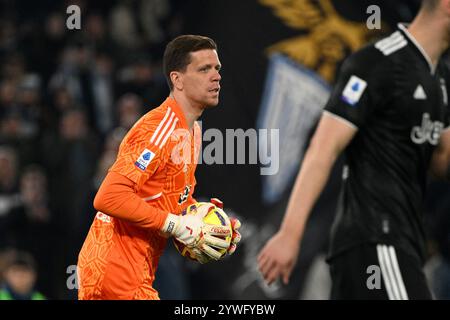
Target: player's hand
235,225
194,233
278,258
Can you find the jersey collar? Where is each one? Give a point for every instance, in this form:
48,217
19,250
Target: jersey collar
172,103
403,28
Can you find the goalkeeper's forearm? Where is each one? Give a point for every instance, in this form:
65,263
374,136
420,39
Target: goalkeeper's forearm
117,198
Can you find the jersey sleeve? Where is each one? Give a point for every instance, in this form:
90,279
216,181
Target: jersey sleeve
116,197
360,87
143,150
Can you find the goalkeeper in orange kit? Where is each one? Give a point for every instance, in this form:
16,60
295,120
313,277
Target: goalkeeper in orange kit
152,182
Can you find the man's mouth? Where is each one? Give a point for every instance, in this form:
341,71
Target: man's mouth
215,90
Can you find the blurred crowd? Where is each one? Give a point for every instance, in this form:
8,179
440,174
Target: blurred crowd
67,97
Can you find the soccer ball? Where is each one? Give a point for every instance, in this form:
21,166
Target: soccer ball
215,216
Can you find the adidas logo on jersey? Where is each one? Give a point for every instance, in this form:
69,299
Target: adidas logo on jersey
428,131
419,94
393,43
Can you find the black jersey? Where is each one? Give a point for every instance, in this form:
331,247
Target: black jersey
398,102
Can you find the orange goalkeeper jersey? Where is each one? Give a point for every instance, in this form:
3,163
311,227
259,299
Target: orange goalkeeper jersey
156,165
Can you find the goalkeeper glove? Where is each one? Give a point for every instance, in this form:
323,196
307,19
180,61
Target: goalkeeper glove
194,233
235,225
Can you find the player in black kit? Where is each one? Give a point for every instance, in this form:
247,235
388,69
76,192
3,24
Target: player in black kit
389,112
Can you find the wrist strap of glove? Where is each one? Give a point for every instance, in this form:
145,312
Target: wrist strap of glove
171,224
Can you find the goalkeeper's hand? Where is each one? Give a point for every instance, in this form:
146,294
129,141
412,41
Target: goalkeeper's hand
235,225
194,233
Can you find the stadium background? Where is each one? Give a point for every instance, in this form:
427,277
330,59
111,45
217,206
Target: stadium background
68,96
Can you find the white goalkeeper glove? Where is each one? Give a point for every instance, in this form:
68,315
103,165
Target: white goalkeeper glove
194,233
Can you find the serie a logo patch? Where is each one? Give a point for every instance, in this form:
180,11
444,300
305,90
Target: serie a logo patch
144,159
353,90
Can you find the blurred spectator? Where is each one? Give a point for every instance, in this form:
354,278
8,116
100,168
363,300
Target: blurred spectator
75,65
95,33
19,278
144,24
151,14
108,156
123,25
42,38
8,35
27,225
102,92
55,30
8,170
33,192
71,155
9,197
62,92
114,139
87,76
13,68
26,221
143,78
23,117
7,95
129,108
62,100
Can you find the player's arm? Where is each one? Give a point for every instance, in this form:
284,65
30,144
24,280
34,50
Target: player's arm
117,197
440,161
331,137
360,89
140,155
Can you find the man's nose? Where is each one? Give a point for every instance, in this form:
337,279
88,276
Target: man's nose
217,76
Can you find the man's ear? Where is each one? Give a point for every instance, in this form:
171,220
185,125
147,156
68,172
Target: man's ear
177,80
